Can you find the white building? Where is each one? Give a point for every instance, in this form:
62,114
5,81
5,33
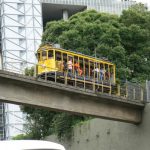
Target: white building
22,22
21,31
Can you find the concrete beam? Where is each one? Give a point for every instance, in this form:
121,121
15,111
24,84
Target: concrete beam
19,89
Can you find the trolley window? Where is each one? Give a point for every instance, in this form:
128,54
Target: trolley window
38,55
50,54
44,55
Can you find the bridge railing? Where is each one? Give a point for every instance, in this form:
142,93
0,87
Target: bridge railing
134,92
127,91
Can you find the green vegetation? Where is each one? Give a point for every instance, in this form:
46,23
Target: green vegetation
42,123
22,136
29,71
124,40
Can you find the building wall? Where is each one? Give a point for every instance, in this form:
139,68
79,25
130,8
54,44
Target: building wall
99,134
21,31
14,120
109,6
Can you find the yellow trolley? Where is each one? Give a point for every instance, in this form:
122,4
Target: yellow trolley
76,69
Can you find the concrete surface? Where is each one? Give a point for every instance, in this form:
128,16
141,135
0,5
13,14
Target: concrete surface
20,89
99,134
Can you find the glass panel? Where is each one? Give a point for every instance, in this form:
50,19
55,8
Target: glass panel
44,55
38,56
58,55
50,54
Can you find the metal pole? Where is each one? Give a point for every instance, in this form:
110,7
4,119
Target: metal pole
127,89
1,62
55,77
75,80
45,76
142,95
84,82
118,88
35,70
134,93
147,91
102,87
66,76
110,92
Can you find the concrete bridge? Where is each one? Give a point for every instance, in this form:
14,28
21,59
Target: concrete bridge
19,89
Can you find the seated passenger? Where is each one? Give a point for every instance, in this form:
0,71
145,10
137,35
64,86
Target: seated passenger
50,56
76,67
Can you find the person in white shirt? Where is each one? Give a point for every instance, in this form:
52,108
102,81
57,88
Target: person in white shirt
70,65
102,72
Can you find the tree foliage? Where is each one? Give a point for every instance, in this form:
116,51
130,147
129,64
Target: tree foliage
124,40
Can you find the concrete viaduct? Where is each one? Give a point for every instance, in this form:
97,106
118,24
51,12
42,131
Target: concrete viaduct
19,89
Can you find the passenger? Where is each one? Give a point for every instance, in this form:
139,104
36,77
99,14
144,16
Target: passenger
50,55
107,75
91,72
76,67
102,72
65,66
86,72
80,71
96,70
69,63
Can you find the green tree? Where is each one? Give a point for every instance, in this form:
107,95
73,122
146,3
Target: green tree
39,122
135,38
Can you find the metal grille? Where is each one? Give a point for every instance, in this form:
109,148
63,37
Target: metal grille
135,91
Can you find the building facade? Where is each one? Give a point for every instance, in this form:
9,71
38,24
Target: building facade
21,26
109,6
21,31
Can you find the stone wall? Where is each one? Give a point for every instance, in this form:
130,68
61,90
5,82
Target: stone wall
99,134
